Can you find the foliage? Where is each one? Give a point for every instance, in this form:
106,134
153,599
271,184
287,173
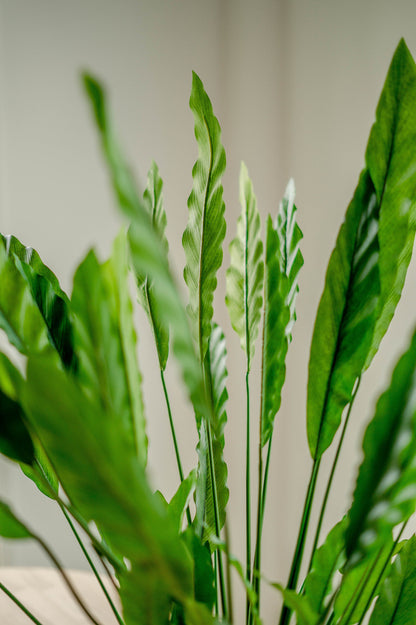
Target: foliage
72,412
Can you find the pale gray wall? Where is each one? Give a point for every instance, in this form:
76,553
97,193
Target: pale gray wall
294,84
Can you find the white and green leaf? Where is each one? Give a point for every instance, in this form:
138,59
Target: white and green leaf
245,274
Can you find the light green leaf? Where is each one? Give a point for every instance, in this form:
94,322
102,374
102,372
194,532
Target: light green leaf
300,604
51,301
10,525
385,493
147,251
216,372
205,232
397,600
181,498
105,343
106,482
327,560
367,268
245,275
283,262
153,200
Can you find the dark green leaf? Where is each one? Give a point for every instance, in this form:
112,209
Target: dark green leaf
385,493
367,269
105,343
300,604
204,577
52,302
283,262
147,251
245,275
205,232
153,200
397,600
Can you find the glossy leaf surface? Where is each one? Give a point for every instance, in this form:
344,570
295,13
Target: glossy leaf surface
385,493
367,268
205,232
282,265
245,275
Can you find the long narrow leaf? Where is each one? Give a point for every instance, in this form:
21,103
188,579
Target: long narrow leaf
153,200
283,262
106,343
147,251
385,493
205,232
215,366
106,482
396,604
245,275
368,266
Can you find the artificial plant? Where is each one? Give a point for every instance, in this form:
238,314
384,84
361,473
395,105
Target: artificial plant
73,414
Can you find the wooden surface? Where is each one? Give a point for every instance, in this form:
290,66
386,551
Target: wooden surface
42,591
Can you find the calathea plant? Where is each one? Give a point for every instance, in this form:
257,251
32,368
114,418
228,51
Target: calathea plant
73,415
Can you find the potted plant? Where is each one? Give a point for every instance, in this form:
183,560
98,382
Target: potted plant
73,415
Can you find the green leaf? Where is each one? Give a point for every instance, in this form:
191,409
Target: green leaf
346,318
52,302
391,162
300,604
10,525
153,200
204,577
245,275
205,232
216,372
368,572
181,498
385,493
15,439
147,251
367,269
283,262
106,482
397,600
105,343
327,560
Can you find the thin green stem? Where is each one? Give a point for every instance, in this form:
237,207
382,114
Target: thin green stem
106,569
248,492
172,427
217,520
19,604
65,578
92,566
300,545
332,473
228,575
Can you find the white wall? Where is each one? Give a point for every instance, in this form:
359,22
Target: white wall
294,84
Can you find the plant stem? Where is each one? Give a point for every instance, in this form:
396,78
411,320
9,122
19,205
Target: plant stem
65,578
228,574
19,604
300,545
248,491
217,519
331,475
93,568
